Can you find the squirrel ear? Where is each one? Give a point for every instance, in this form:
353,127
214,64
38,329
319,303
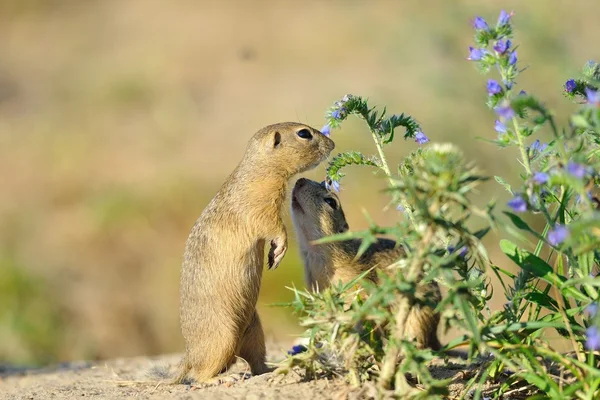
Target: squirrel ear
276,139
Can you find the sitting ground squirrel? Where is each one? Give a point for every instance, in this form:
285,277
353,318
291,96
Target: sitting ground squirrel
224,254
316,213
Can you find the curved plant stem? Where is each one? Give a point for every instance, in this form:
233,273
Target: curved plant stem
386,169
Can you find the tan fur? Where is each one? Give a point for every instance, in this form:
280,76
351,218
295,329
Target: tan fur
329,263
224,254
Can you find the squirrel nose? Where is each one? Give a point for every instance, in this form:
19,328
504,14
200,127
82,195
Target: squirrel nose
301,182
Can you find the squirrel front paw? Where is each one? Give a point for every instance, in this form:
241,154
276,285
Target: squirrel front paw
277,252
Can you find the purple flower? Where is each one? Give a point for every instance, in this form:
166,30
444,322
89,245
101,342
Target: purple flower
331,184
475,54
512,59
592,309
505,111
479,23
297,350
593,338
504,18
575,169
558,235
493,87
537,146
421,138
570,85
500,127
463,251
400,208
337,114
522,93
502,46
592,96
541,177
326,130
518,204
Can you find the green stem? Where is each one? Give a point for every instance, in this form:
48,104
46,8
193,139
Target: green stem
522,147
384,165
364,114
386,169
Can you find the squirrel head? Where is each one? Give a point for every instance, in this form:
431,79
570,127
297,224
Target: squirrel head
289,148
316,211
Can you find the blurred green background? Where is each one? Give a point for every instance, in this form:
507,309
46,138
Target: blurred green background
119,120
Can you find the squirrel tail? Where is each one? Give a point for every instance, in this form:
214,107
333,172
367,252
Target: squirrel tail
161,373
182,371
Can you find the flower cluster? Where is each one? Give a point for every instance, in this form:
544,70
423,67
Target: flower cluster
586,87
560,182
338,112
378,123
382,129
546,183
485,34
503,57
536,149
592,96
548,169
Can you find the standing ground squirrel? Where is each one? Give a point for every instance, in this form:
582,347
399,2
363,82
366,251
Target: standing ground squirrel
316,213
224,254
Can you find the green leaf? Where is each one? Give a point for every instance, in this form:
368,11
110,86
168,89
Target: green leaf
503,183
355,280
545,385
519,223
340,237
542,300
505,272
538,267
532,325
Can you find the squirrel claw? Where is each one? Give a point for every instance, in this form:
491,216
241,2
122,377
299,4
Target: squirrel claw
276,254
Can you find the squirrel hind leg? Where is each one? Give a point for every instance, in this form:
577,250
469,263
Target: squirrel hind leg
212,356
252,346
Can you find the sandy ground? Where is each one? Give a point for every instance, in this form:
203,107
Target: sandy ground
129,378
116,379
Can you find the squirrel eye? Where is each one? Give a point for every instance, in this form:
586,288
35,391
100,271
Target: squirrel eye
332,203
304,134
